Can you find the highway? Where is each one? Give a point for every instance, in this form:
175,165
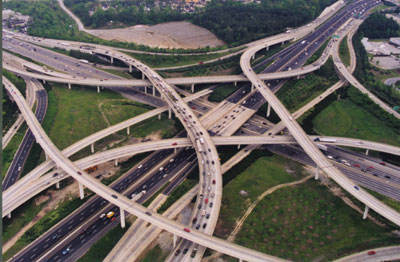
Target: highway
309,147
123,202
12,201
20,157
372,255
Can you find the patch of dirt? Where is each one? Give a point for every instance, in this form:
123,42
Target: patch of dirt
166,35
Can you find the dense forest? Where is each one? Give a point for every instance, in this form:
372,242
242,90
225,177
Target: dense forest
378,26
232,21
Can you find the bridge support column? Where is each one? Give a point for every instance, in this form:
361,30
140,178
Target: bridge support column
116,162
92,148
169,113
175,150
9,215
159,116
47,156
145,89
235,83
112,60
143,76
98,89
252,87
81,192
192,88
128,130
252,57
297,77
365,215
154,91
130,68
316,173
58,185
44,81
174,240
239,146
69,86
122,215
267,48
268,110
367,152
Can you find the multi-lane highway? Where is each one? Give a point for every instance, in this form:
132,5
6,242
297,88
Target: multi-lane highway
17,165
225,120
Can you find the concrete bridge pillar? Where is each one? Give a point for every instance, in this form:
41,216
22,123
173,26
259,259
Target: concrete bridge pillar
365,215
145,89
268,110
192,88
98,89
58,185
143,76
69,85
316,173
239,146
174,240
9,215
159,116
175,150
235,83
367,152
130,68
44,81
92,148
112,60
122,215
252,57
116,162
169,113
252,87
267,48
154,91
128,130
81,192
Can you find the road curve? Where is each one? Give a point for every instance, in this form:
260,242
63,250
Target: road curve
307,144
123,202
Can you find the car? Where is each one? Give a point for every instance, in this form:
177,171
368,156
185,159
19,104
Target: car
208,216
113,218
175,143
102,215
198,227
186,229
199,207
110,214
356,187
114,196
161,168
356,165
382,163
213,181
204,225
19,168
177,252
386,176
206,200
185,250
194,220
171,160
371,252
148,213
66,251
79,173
193,253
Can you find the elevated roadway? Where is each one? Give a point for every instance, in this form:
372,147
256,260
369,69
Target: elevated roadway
372,255
307,144
123,202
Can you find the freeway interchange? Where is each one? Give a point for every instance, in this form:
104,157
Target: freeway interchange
204,130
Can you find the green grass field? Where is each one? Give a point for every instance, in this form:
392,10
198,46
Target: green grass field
263,173
344,118
222,92
344,52
155,254
308,223
77,113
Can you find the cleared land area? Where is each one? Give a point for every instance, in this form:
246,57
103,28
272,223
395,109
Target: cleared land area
166,35
344,118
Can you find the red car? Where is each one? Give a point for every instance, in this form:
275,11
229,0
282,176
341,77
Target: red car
383,163
370,253
174,144
356,165
186,229
206,200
